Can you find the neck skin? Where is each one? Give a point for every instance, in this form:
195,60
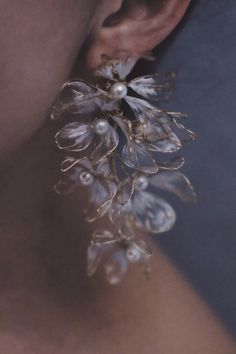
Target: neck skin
44,288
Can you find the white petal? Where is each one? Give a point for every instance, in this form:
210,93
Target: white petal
153,213
153,86
121,67
175,182
74,137
125,190
144,110
115,267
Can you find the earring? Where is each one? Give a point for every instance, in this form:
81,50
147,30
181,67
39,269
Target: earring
117,155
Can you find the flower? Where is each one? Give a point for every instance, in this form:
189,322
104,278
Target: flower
99,181
150,212
115,253
78,136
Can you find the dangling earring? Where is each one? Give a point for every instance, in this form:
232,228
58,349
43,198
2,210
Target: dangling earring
117,156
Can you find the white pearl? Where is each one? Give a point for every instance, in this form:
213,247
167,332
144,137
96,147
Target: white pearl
86,178
141,183
133,254
118,90
101,126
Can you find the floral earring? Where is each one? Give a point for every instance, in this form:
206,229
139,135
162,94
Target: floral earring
118,156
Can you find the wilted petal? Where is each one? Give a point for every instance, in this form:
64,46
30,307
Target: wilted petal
156,86
175,182
109,143
74,136
113,68
153,213
136,156
77,97
115,267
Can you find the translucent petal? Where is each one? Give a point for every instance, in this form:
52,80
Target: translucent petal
94,257
175,182
125,190
136,156
156,86
115,267
74,136
124,124
138,251
77,97
172,164
184,133
144,110
102,193
153,213
103,237
157,136
120,68
108,143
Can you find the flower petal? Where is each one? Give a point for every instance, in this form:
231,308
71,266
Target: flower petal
102,193
94,257
153,213
175,182
144,110
77,97
158,86
74,137
109,143
157,136
172,164
136,156
116,67
115,267
125,190
103,237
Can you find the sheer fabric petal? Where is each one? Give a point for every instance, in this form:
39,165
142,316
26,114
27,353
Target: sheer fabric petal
137,157
174,182
156,86
115,267
77,97
74,136
108,143
153,213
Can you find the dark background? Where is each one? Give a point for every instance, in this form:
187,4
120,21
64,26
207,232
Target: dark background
203,243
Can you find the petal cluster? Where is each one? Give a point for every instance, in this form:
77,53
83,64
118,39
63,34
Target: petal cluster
120,155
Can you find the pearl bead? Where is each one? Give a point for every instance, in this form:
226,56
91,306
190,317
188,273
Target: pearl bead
118,90
86,178
141,183
133,254
101,126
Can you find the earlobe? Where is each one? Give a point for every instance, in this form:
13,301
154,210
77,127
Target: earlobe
135,33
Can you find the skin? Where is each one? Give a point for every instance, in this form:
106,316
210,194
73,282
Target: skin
47,304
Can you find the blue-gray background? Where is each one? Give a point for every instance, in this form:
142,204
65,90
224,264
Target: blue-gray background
203,243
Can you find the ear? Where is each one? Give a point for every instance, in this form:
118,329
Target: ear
136,28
